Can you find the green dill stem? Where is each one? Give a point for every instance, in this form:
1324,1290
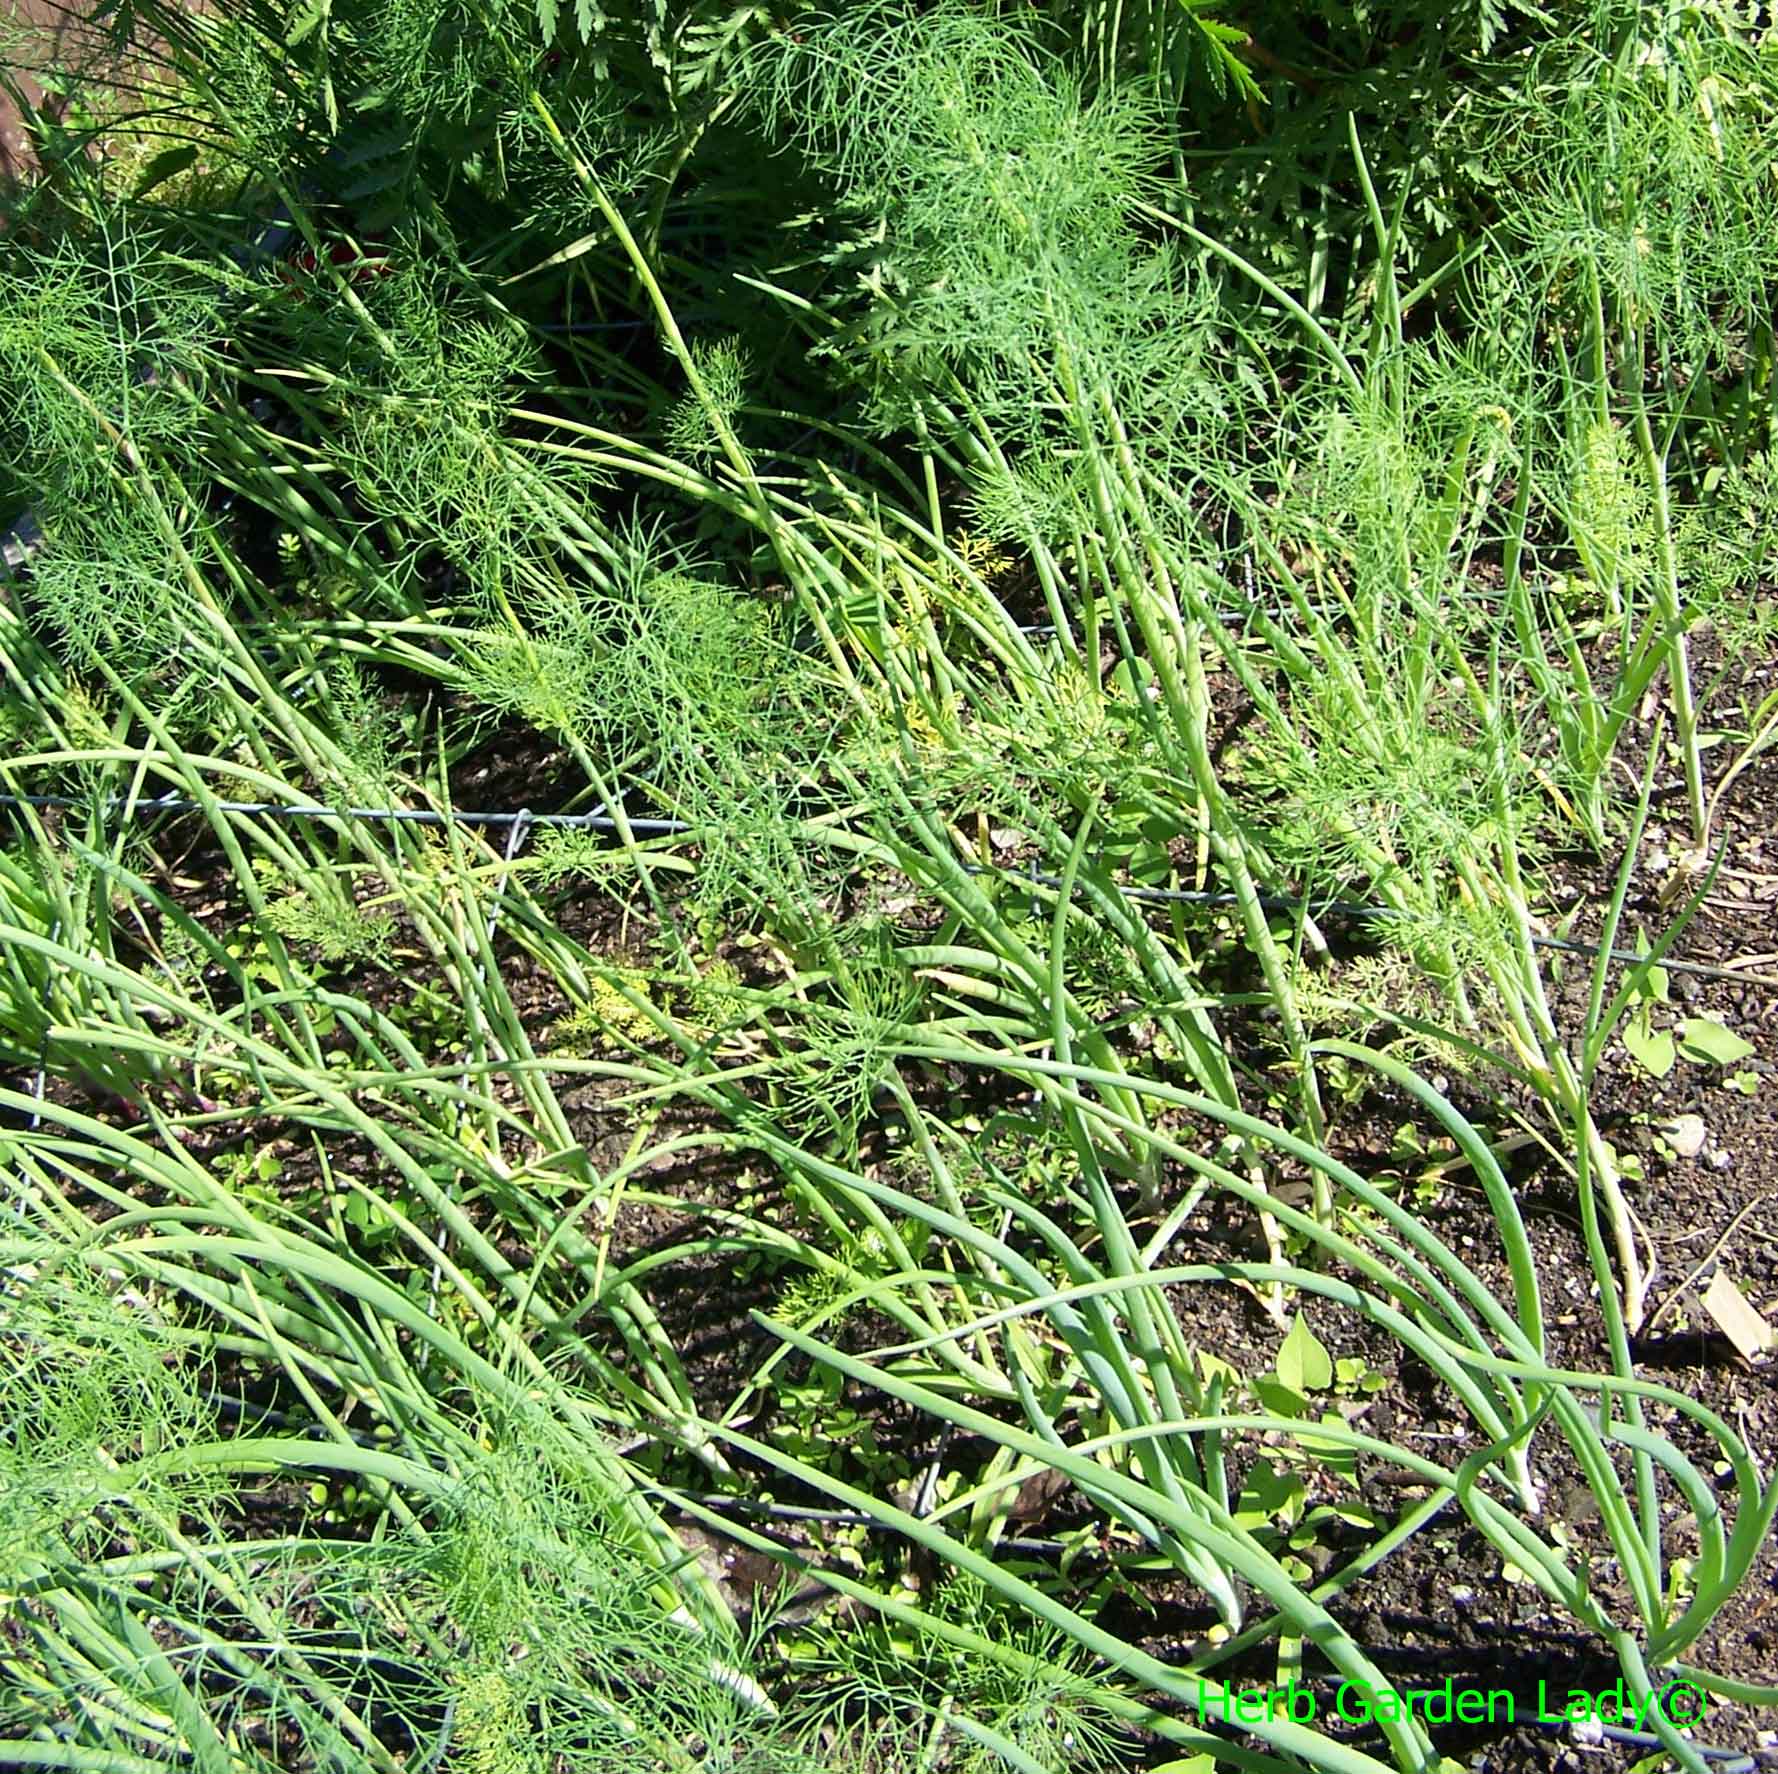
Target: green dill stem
669,178
738,459
1322,337
1388,321
1172,649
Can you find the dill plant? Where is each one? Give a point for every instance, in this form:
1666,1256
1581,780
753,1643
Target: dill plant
831,1082
1632,170
1017,312
677,679
691,427
423,429
546,677
904,1697
1637,162
105,347
1400,752
436,59
104,326
243,81
96,1378
547,1646
1009,279
600,131
368,728
323,916
1397,750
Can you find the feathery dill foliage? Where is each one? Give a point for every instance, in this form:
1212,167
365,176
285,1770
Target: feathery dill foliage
322,915
437,59
560,1655
691,427
829,1083
1389,488
368,730
103,327
90,1389
535,177
422,427
1048,1709
689,684
246,76
671,659
1009,258
105,343
103,582
1643,155
1424,789
1727,545
1610,512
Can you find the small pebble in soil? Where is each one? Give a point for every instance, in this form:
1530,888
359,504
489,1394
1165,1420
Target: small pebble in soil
1685,1134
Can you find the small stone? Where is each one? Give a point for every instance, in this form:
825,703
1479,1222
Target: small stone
1685,1134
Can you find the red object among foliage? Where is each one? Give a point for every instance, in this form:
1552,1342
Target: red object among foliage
359,266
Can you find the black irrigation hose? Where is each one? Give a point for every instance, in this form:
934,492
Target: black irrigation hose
1326,909
1734,1761
1360,913
169,803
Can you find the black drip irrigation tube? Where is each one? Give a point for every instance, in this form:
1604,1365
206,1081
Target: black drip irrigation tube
1288,905
1356,912
521,817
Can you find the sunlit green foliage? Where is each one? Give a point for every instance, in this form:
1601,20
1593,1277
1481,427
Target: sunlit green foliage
1070,568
